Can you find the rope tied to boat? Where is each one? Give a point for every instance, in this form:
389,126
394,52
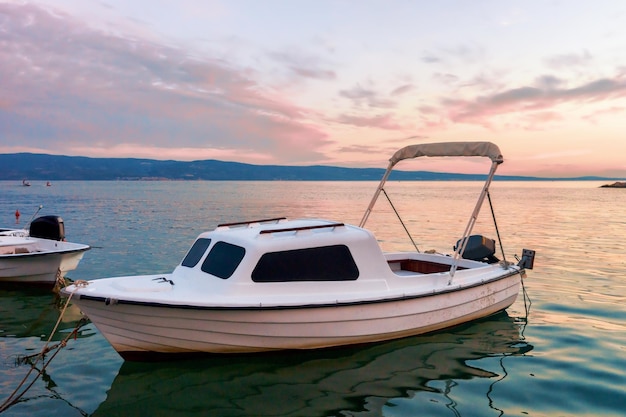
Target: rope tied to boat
59,281
14,397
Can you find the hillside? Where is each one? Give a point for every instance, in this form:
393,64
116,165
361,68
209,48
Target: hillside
45,167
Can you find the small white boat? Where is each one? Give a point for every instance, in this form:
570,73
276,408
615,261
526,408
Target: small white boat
13,232
24,231
39,255
304,284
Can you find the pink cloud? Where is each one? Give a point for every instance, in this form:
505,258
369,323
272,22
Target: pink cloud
403,89
385,121
304,66
364,97
528,99
569,60
541,118
315,73
66,84
593,117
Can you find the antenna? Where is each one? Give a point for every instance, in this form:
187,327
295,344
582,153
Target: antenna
38,209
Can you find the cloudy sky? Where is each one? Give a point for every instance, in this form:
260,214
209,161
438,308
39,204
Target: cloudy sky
303,82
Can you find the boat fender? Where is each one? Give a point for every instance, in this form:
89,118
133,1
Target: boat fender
110,301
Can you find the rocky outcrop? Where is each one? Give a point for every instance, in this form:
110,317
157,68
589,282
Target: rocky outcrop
617,184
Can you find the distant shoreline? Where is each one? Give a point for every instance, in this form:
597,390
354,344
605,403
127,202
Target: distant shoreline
31,167
40,182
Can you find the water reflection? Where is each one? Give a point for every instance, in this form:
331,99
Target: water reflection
26,313
27,322
347,381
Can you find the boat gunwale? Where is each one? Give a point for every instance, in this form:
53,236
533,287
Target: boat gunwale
84,248
261,307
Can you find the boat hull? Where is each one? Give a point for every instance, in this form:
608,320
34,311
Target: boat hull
139,330
41,269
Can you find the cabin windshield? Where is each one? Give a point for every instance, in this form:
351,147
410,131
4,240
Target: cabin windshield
223,259
196,252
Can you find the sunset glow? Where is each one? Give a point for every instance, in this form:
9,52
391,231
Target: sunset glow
341,83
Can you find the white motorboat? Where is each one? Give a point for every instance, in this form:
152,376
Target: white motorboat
47,231
304,284
13,232
39,255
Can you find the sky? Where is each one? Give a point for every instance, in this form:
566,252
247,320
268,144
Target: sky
318,82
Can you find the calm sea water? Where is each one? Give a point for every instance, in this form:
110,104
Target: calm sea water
565,356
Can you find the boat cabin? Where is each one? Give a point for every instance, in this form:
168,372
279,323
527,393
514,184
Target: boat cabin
278,250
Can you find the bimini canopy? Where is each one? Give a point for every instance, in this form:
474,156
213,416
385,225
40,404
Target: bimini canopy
487,149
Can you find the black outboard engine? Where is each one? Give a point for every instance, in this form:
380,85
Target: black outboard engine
479,248
48,227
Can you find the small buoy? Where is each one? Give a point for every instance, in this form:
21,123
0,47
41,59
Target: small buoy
17,216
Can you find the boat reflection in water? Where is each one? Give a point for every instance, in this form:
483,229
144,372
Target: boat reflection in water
28,317
34,312
357,380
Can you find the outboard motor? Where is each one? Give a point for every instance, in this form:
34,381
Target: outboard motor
479,248
48,227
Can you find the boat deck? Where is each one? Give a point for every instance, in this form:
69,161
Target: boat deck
411,267
16,245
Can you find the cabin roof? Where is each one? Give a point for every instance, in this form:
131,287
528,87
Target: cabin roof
288,234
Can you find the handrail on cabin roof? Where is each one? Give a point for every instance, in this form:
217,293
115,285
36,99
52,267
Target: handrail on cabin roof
274,219
297,229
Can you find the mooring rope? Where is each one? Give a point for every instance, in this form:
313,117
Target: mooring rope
527,304
14,397
59,281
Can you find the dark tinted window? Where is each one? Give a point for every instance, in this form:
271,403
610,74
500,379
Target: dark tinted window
223,259
326,263
196,252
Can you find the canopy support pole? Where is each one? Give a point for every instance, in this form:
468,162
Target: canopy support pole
376,194
470,224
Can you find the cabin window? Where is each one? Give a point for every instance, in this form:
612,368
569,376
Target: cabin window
223,259
326,263
195,253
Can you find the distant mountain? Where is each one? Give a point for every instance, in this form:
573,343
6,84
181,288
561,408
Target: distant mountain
19,166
